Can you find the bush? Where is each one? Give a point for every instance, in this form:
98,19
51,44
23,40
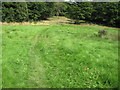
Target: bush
102,33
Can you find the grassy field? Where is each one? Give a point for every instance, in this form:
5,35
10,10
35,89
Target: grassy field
59,56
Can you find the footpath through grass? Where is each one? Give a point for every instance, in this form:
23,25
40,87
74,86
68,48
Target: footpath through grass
59,56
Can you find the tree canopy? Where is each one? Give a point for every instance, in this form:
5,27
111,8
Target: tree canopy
102,12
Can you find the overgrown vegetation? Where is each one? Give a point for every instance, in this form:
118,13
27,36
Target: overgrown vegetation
104,12
22,11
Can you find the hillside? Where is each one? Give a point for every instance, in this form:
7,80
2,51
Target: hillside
56,54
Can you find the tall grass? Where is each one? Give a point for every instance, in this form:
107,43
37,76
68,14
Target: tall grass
59,56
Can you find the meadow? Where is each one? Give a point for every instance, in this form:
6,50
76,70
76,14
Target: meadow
59,56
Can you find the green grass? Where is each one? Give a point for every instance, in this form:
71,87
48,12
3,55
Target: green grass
59,56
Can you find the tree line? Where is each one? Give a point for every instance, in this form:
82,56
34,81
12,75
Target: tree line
103,12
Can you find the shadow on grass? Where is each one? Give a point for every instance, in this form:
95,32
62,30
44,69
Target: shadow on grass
73,22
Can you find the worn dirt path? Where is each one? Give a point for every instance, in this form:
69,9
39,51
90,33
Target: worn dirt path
37,72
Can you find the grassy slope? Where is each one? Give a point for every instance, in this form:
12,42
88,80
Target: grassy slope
58,56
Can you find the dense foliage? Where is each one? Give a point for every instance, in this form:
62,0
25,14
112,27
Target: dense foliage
106,13
79,11
60,9
102,12
18,12
38,11
14,12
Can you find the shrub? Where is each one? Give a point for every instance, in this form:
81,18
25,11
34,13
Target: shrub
102,33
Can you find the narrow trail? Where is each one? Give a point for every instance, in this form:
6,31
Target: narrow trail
37,72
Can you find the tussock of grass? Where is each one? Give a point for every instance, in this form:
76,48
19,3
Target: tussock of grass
59,56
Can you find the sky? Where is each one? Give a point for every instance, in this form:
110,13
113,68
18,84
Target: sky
67,0
74,0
